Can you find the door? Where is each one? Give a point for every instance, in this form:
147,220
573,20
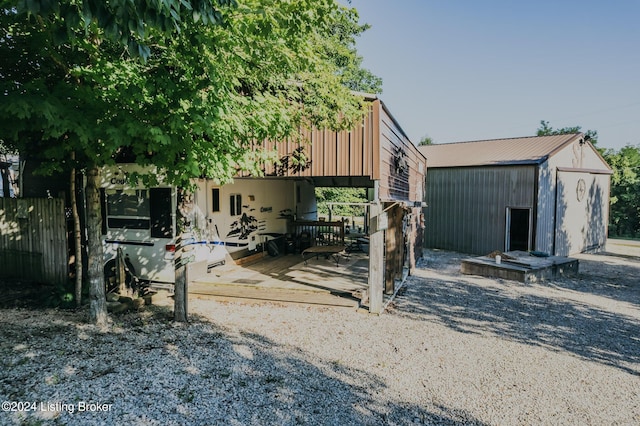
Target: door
518,229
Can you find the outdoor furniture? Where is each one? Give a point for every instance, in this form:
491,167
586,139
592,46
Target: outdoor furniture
326,251
315,233
354,241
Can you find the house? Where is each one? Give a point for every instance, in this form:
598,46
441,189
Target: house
548,194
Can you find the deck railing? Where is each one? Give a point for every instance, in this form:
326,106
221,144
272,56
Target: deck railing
317,233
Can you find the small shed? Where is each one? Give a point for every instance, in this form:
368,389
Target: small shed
546,193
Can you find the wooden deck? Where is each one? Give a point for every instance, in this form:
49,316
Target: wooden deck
286,278
520,266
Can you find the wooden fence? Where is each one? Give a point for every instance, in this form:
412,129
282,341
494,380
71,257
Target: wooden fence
33,239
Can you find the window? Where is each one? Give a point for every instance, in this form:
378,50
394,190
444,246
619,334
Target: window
128,209
215,197
161,217
235,203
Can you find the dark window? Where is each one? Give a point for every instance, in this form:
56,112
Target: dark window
139,209
128,203
235,203
160,214
128,223
215,196
103,210
127,208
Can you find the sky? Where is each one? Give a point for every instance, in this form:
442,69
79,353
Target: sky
462,70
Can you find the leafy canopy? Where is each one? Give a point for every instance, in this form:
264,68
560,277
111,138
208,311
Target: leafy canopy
546,130
624,217
426,140
201,101
125,22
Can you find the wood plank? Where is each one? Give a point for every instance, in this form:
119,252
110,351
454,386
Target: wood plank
376,265
234,293
38,241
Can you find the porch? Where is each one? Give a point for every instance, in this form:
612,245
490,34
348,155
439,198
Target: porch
286,278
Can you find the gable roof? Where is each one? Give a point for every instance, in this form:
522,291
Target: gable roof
496,152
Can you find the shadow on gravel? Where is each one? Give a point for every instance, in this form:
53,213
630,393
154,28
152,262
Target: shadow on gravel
153,371
464,305
609,275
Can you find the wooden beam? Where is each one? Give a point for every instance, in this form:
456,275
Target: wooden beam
376,263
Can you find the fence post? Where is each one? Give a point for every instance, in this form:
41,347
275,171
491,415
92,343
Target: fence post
376,262
180,296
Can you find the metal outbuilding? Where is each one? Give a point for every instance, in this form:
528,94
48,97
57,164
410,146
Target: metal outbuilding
546,193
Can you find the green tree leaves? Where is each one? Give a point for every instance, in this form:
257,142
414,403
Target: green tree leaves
624,220
125,22
546,130
204,97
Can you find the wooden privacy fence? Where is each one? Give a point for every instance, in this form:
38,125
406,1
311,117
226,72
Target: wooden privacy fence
33,239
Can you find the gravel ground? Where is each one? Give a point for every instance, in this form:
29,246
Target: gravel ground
451,349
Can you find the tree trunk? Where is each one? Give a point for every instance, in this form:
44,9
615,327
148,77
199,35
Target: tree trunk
181,295
97,300
77,236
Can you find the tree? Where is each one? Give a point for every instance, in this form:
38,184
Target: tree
197,105
546,130
340,46
624,220
124,22
326,195
426,140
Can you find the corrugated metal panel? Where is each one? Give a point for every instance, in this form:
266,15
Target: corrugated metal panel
33,240
546,211
529,150
582,212
467,206
402,166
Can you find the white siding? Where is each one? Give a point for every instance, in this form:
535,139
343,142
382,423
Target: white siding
546,209
264,201
582,212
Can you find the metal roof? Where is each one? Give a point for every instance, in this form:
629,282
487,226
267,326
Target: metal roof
496,152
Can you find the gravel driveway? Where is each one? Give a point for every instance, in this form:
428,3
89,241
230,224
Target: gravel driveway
451,349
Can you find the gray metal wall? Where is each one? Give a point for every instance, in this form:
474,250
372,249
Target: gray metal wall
466,206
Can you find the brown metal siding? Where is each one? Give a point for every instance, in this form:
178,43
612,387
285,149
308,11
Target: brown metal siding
395,184
345,153
375,139
369,149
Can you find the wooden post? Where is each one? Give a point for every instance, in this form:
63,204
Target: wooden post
376,262
180,296
391,243
120,273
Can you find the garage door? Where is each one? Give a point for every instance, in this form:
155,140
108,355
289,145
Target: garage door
582,212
